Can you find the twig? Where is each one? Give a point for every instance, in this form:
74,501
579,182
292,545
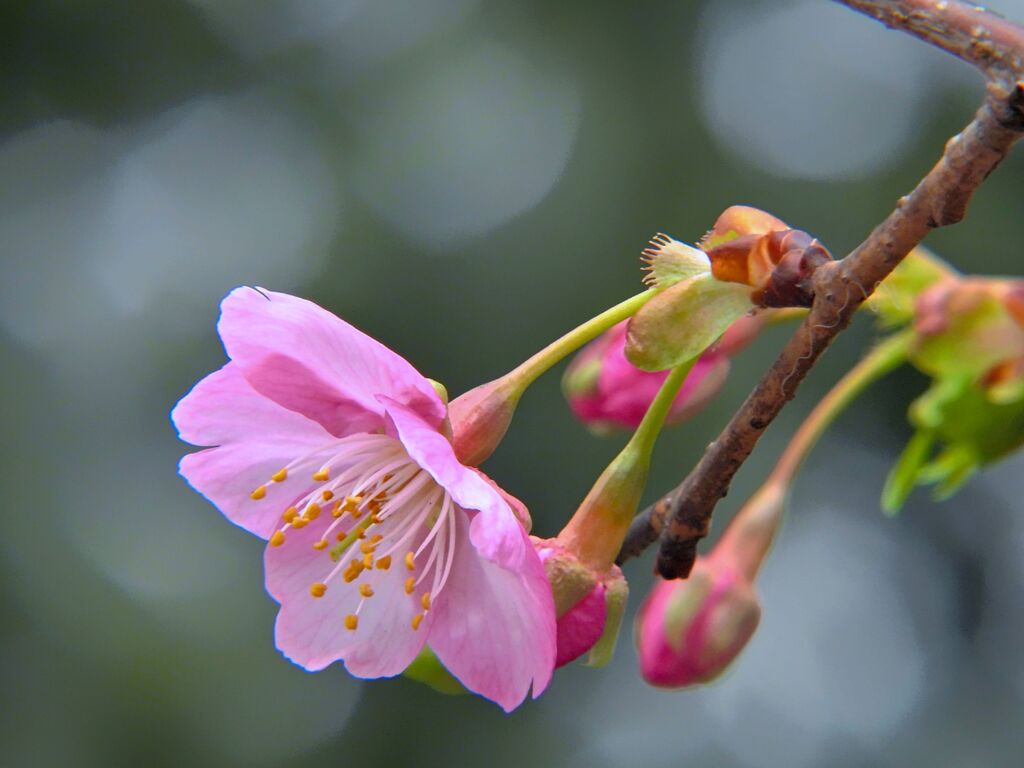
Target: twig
683,516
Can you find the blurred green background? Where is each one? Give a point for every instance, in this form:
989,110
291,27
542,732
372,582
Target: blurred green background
465,180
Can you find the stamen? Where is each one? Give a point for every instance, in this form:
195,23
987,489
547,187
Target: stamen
368,561
277,539
290,514
410,563
328,495
312,511
259,493
410,585
321,475
351,622
280,476
300,522
318,589
416,621
384,563
366,590
425,601
320,545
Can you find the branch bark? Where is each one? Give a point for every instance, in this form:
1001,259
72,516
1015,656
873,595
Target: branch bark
683,516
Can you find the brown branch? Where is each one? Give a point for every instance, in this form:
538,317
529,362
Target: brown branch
683,516
990,42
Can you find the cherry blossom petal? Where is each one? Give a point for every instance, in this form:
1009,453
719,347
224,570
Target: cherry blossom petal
495,531
255,436
311,631
224,408
310,361
494,629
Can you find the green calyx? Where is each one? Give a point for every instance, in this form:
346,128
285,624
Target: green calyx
683,320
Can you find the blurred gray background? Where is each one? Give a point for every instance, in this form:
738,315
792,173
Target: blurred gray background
465,180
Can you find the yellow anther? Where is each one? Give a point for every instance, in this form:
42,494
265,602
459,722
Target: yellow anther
312,511
300,522
368,560
328,495
353,501
357,565
410,585
318,589
350,575
362,534
340,535
289,514
356,514
280,476
375,538
417,620
410,561
321,475
366,590
259,493
321,544
351,622
366,547
336,510
425,601
277,539
384,563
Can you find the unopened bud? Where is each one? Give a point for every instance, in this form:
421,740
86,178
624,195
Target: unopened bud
689,632
606,391
588,604
753,248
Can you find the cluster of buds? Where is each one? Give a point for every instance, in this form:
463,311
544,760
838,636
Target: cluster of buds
968,336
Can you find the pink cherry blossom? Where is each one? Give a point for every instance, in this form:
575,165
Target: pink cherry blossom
605,390
333,449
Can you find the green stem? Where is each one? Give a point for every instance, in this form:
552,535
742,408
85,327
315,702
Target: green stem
598,527
528,372
885,357
749,537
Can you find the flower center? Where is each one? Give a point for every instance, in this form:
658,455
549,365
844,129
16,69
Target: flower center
370,505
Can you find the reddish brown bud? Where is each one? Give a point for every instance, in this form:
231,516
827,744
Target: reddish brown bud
754,248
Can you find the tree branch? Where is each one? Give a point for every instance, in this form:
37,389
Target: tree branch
683,516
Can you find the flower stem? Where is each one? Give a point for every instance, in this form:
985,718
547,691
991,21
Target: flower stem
598,527
528,371
749,537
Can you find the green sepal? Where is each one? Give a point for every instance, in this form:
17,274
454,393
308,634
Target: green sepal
682,321
615,603
893,300
428,669
902,478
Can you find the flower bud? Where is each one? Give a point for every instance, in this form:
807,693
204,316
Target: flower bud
605,390
753,248
689,632
588,604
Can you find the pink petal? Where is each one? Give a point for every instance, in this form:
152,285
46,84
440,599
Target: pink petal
257,437
311,630
312,362
494,629
581,626
495,531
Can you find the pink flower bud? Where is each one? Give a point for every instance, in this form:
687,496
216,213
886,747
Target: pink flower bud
689,632
588,604
606,391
